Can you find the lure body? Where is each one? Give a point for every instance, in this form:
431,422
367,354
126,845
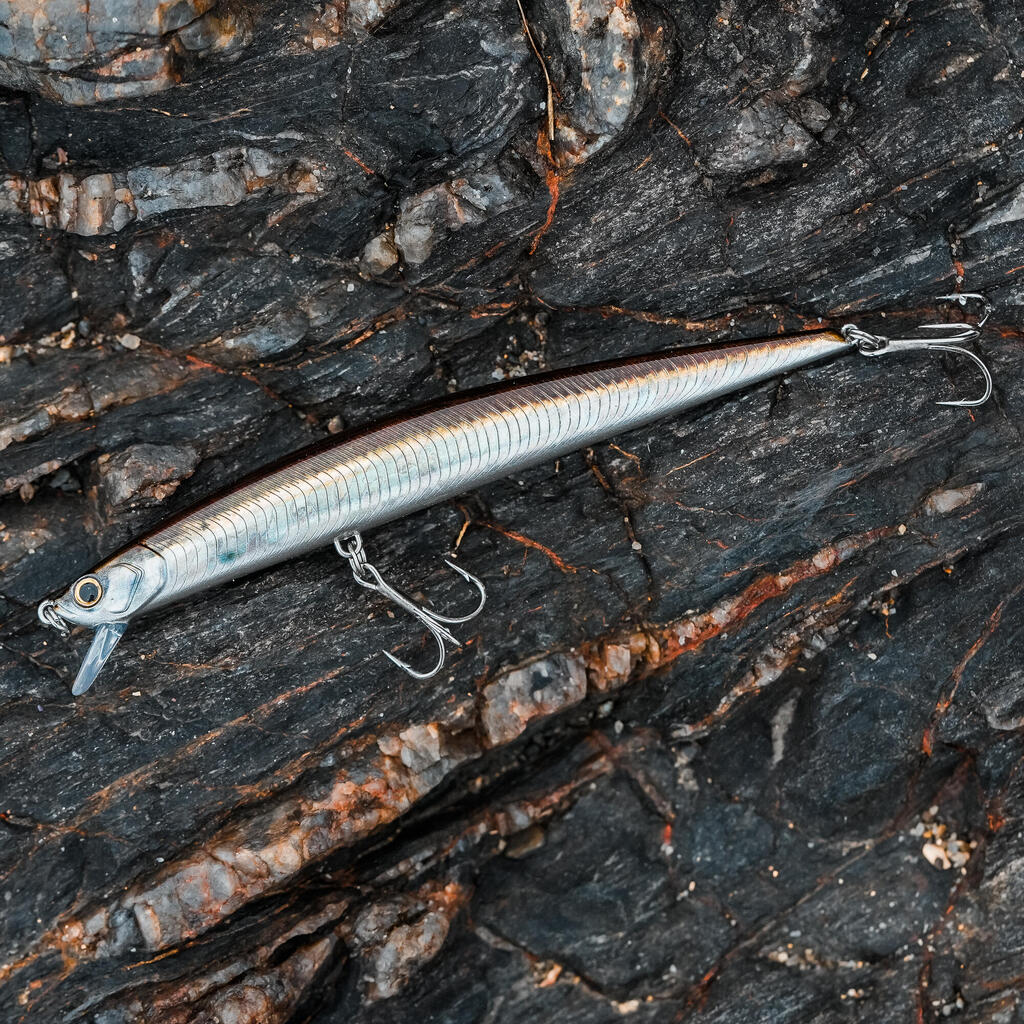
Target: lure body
385,472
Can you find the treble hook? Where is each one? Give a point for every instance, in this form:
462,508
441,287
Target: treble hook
953,338
350,547
49,616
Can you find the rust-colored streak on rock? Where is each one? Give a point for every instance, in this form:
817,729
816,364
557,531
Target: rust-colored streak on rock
990,627
521,696
552,180
492,309
945,701
205,364
693,633
675,128
927,740
359,163
393,316
528,542
698,997
612,663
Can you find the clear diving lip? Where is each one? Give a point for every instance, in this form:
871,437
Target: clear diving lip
103,643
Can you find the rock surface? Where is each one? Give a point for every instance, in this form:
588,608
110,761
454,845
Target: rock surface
740,734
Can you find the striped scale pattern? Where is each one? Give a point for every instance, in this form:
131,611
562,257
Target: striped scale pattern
386,472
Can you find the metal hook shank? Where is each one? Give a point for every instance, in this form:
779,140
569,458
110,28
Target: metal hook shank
948,338
368,575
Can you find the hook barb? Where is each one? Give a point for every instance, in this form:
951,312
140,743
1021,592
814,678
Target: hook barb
350,547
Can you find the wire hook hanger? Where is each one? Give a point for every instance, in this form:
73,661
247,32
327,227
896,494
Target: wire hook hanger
350,547
947,338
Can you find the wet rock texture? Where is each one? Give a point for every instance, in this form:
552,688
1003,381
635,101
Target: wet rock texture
740,735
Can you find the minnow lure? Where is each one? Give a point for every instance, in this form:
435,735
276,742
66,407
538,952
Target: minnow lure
383,472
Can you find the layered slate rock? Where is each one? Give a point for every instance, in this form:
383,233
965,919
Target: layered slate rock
739,735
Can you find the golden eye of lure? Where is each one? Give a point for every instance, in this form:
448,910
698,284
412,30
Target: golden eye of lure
378,474
87,592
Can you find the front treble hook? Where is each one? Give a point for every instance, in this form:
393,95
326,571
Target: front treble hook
368,575
948,338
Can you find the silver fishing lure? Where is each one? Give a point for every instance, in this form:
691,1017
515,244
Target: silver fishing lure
385,472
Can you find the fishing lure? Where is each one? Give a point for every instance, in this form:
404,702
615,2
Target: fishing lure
383,472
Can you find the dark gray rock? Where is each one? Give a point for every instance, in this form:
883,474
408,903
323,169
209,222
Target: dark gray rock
143,474
739,735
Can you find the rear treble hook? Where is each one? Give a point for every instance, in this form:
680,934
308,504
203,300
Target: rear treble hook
951,338
350,547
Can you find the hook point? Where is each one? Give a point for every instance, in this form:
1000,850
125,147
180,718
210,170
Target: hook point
409,670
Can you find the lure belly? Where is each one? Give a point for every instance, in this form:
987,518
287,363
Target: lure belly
384,472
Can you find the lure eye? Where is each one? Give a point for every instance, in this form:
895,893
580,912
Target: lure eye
88,591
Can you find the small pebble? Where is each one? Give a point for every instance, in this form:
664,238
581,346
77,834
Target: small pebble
936,856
